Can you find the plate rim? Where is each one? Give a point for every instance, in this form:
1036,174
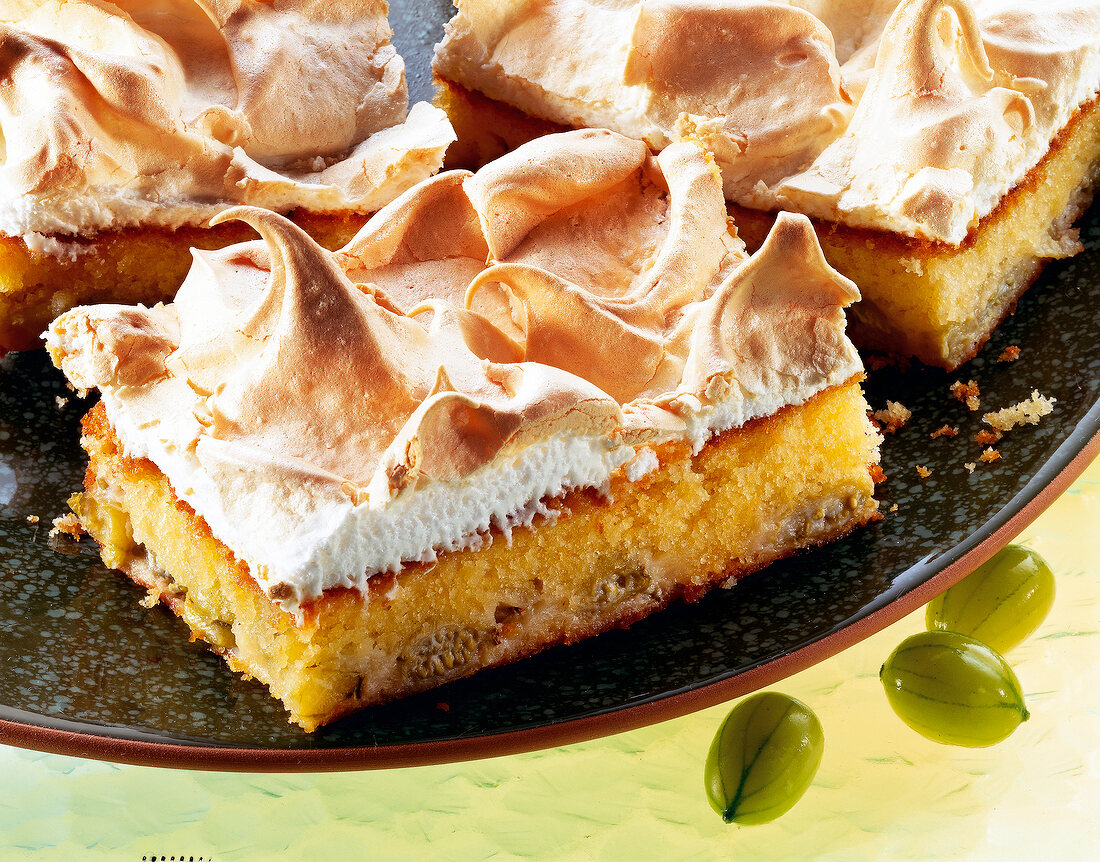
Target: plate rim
68,737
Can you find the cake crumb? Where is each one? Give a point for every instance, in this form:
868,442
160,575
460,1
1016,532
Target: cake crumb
1027,412
877,474
970,465
69,525
61,402
987,438
1009,354
968,393
923,471
990,454
443,706
32,519
894,508
913,265
893,417
945,431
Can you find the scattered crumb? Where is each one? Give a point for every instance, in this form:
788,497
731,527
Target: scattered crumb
1027,412
1009,354
69,525
151,601
443,706
987,438
893,417
894,508
990,454
61,402
32,519
970,465
967,393
923,471
945,431
877,475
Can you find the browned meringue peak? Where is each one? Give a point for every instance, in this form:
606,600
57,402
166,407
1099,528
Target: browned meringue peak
611,250
315,370
123,346
269,55
451,434
757,82
931,121
774,321
426,244
1041,51
180,103
520,190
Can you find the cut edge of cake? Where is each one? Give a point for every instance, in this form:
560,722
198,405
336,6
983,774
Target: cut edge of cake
751,496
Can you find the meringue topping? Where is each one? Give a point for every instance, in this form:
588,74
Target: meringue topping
914,117
137,113
485,342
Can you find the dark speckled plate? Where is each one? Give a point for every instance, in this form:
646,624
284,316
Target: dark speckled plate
85,670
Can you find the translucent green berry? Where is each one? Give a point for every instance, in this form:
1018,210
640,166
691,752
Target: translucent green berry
953,689
1001,603
763,758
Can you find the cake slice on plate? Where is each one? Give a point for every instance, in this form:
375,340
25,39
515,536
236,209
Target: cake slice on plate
943,148
519,408
127,125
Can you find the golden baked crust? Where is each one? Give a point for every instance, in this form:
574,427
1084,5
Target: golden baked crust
792,480
135,265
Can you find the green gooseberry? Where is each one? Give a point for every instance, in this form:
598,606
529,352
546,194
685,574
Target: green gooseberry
763,758
953,689
1000,603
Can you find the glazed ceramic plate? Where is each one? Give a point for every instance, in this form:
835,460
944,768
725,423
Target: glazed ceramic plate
85,670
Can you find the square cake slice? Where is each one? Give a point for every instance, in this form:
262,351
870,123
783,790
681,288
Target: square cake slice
127,125
519,408
943,148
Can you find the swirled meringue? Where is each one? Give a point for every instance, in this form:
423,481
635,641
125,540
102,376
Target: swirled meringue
915,117
136,113
486,341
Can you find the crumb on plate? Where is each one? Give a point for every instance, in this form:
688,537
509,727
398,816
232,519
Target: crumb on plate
968,393
1026,412
893,417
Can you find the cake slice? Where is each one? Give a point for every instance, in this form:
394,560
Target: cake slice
519,408
943,148
127,125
